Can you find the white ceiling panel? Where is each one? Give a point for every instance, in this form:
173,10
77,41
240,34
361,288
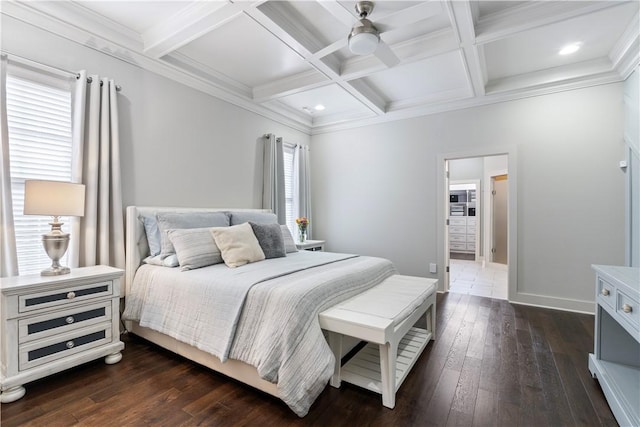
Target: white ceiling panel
420,79
275,57
334,98
246,52
537,49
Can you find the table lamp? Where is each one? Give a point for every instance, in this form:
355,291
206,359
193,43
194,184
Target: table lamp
54,198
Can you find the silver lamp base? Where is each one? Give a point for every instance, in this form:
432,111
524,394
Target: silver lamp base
55,245
55,271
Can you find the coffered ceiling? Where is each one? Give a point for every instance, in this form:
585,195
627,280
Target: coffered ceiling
283,58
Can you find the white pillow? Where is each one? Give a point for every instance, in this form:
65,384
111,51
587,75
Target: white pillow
238,245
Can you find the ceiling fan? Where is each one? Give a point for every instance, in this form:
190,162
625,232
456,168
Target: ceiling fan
364,38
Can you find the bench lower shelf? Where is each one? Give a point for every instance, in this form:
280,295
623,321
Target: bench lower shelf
363,369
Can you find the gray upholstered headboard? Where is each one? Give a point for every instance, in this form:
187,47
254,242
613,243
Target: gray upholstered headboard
136,244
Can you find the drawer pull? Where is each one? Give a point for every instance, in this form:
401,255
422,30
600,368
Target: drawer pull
627,308
71,295
70,344
605,292
70,320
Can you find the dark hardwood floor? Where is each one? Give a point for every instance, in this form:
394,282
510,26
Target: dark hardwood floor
493,363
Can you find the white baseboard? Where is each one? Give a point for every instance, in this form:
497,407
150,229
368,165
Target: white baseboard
555,303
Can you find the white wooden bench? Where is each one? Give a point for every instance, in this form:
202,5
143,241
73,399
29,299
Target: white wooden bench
384,316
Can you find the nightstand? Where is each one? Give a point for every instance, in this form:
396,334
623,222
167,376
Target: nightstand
311,245
52,323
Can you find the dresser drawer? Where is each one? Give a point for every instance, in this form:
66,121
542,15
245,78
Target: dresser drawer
458,221
72,294
59,346
471,230
629,309
471,238
471,246
458,229
459,238
606,293
62,321
471,221
457,246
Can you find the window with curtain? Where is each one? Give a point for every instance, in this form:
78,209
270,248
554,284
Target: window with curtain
289,156
40,147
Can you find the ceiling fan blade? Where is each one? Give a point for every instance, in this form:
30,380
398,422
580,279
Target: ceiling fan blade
386,55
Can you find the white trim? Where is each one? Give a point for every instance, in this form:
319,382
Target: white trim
554,308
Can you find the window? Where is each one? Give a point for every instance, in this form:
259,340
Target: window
289,156
39,123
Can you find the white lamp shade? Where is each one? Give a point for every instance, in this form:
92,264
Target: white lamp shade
53,198
364,43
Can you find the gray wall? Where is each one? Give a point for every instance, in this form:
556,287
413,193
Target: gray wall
375,188
179,147
632,138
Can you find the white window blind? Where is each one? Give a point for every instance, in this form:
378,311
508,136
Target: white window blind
289,151
39,122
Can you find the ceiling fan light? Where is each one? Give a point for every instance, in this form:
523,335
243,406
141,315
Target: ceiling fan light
363,43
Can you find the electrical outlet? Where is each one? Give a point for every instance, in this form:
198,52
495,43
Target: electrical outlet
433,268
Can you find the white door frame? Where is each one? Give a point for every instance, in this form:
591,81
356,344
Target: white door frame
512,214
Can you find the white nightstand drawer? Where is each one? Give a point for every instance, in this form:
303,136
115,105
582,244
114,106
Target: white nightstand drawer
628,309
606,293
457,246
72,294
458,221
457,229
63,345
457,238
62,321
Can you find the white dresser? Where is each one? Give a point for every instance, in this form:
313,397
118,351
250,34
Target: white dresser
53,323
462,234
615,361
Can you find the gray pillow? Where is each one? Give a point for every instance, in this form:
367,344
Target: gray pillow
195,248
270,238
184,220
289,244
257,217
153,233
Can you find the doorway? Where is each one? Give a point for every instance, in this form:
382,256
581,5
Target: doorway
486,273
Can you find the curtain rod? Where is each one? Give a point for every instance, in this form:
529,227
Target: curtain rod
31,62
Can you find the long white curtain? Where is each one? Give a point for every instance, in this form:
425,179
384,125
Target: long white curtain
302,185
99,235
273,195
8,252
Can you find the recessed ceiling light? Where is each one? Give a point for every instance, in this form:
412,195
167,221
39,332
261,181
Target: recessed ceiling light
319,107
569,49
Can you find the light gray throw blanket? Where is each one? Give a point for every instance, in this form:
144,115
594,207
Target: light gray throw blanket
273,326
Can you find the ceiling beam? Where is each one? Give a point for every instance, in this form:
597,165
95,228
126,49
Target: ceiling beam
189,24
463,25
532,15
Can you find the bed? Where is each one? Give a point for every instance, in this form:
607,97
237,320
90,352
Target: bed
264,330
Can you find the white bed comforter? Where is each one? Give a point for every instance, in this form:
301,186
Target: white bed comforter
264,314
